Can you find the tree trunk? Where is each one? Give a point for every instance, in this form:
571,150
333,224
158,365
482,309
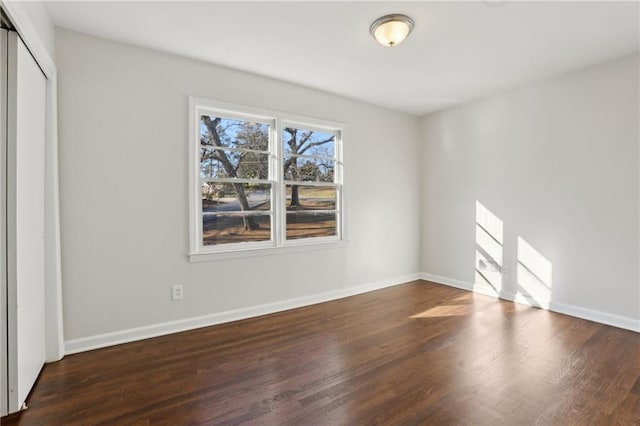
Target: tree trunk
295,198
249,222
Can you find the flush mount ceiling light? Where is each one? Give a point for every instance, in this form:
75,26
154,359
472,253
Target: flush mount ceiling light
391,30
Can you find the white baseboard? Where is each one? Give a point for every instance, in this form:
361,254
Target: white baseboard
596,316
463,285
627,323
145,332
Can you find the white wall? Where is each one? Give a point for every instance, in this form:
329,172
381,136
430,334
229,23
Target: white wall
557,162
123,182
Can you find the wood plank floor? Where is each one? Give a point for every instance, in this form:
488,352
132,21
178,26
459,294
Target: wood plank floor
419,353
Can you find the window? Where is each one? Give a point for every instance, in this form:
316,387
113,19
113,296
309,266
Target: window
311,188
262,180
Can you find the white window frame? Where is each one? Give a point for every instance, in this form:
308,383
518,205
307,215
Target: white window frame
277,121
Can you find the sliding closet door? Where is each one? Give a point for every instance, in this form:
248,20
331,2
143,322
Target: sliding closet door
26,105
4,389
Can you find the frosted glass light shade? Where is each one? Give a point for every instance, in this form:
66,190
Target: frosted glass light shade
391,30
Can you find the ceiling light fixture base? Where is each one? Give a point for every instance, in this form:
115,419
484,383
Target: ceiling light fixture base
391,30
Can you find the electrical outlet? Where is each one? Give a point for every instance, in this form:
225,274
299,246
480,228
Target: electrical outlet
176,292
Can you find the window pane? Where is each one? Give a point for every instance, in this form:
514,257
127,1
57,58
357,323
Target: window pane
235,197
300,197
308,142
230,133
310,225
308,169
226,229
217,163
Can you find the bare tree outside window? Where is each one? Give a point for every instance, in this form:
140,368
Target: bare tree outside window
234,155
309,172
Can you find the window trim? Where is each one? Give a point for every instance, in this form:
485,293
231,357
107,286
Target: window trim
277,121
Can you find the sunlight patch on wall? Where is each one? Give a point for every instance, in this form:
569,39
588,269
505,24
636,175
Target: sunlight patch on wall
489,255
490,222
535,274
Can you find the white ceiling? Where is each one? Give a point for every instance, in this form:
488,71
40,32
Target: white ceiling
458,51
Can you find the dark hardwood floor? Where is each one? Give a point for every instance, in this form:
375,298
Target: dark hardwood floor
419,353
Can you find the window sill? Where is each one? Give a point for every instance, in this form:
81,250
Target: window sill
266,251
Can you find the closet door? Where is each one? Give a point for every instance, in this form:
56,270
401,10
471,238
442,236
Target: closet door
26,106
4,371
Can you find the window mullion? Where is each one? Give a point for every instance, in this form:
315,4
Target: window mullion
234,180
279,206
315,157
232,149
339,180
310,183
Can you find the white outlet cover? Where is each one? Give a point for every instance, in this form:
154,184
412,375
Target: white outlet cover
176,292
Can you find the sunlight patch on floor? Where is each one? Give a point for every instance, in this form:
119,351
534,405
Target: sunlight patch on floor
445,311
